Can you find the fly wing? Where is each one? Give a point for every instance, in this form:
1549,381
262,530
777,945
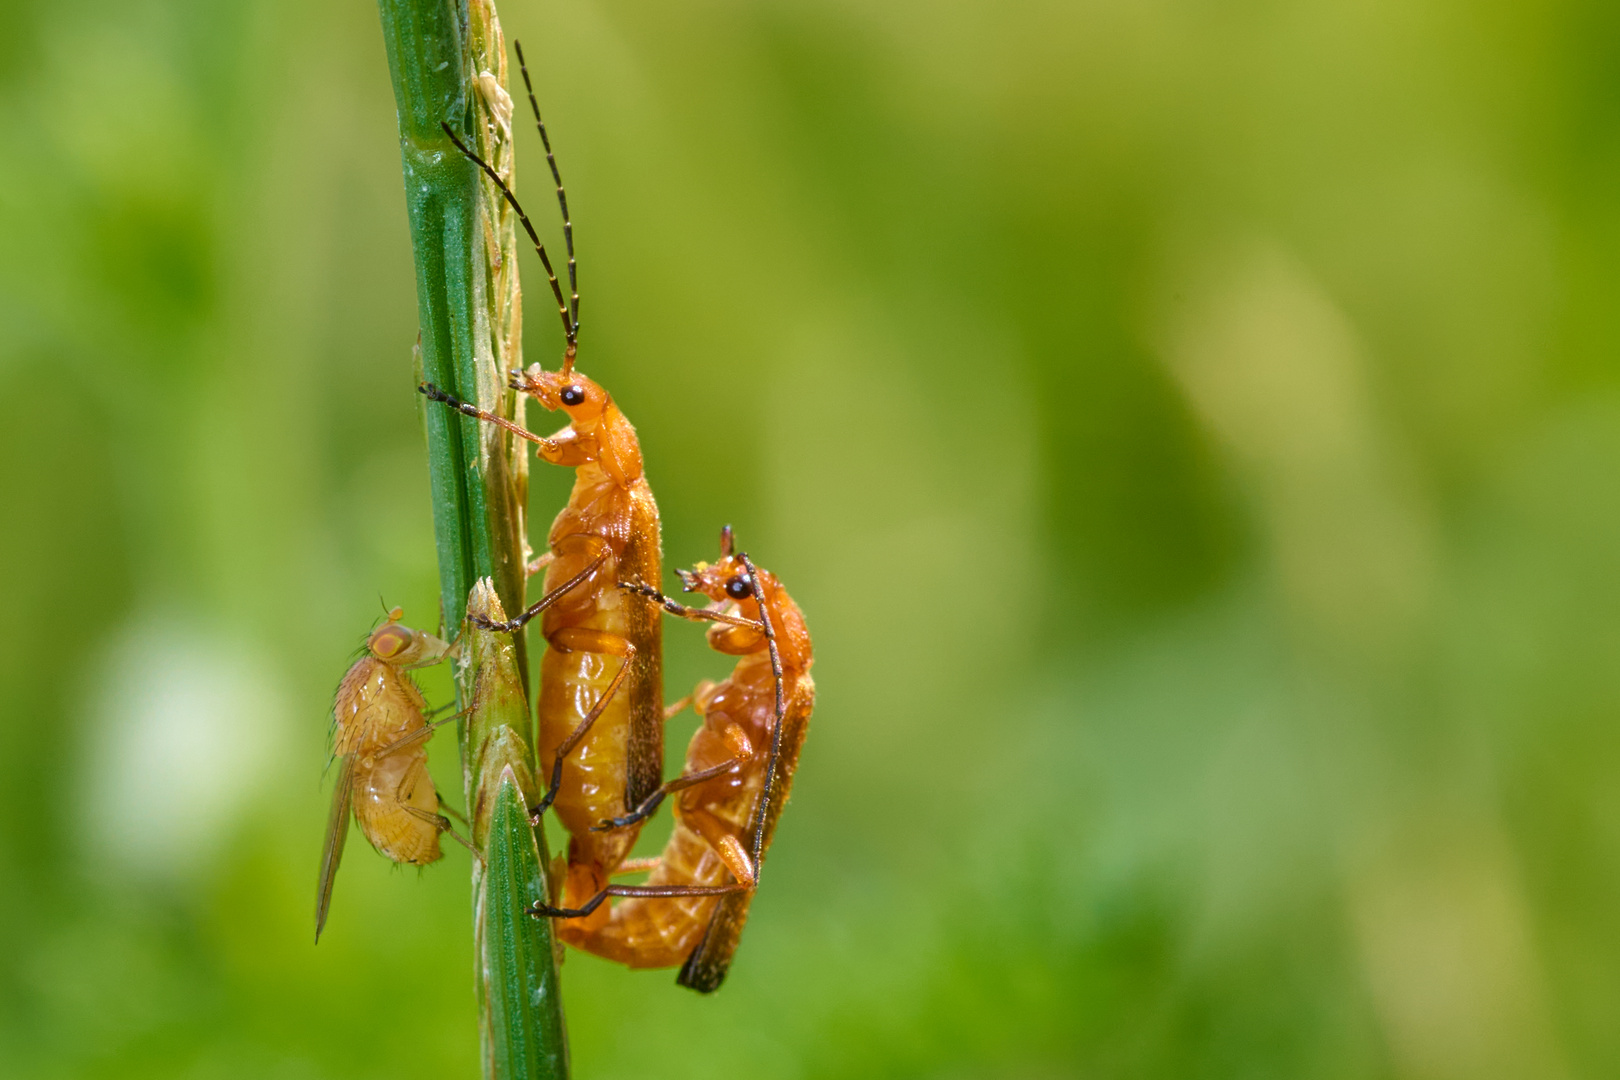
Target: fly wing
337,831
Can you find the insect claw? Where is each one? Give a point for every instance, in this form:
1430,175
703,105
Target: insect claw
609,824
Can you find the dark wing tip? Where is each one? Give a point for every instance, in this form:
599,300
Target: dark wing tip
700,975
706,967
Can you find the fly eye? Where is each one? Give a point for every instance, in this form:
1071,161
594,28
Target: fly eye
573,395
390,643
737,588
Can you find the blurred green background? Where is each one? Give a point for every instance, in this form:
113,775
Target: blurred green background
1191,428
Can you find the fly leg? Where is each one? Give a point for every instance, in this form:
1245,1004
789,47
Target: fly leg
438,821
442,823
412,739
582,639
419,735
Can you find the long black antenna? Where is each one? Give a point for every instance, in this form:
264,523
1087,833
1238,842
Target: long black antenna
570,329
781,713
562,197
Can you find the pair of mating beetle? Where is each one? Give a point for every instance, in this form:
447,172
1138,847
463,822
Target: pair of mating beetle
601,710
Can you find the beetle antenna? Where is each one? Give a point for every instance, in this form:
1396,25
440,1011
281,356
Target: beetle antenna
569,331
562,200
781,712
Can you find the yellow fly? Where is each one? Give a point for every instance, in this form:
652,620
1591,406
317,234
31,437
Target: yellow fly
379,736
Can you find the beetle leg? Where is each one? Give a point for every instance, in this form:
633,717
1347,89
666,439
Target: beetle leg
741,750
681,611
725,843
428,390
639,866
634,890
698,700
703,695
540,605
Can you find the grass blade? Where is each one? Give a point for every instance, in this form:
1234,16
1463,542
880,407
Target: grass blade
525,1032
522,1026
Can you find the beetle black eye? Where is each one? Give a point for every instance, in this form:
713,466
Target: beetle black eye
738,587
573,395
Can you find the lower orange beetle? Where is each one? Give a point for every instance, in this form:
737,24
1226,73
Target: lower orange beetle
739,769
378,734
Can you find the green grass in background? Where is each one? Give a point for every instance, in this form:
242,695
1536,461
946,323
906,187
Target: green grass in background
1193,434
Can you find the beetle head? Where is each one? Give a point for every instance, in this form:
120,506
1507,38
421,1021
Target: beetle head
727,579
576,394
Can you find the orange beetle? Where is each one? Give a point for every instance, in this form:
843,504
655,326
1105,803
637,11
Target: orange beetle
601,715
739,770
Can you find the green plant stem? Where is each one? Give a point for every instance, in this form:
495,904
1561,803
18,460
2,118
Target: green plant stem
468,341
427,61
519,994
